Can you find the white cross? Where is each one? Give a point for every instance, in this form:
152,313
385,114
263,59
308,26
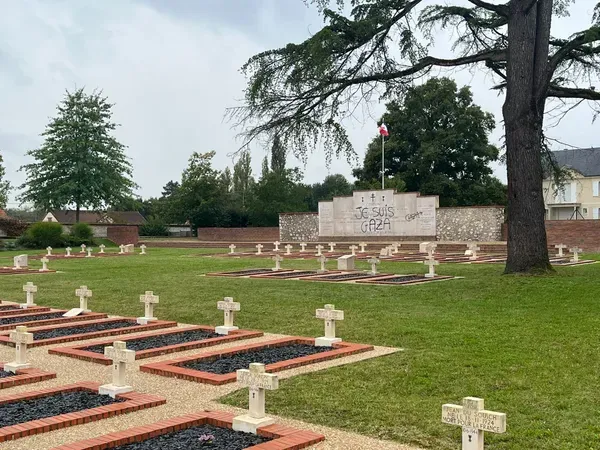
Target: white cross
121,249
330,315
21,339
319,249
49,250
385,251
277,259
120,357
276,244
229,307
259,249
102,247
560,248
232,248
30,289
44,262
474,421
82,248
143,249
257,381
353,248
430,248
374,262
89,252
431,262
576,251
362,246
473,248
83,293
303,246
395,247
332,246
322,259
68,251
149,300
288,249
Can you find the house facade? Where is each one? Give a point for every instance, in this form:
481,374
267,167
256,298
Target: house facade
579,197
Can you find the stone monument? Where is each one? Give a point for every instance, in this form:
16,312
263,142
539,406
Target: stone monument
257,382
120,357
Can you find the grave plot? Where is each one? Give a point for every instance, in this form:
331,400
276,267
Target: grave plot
405,279
281,275
185,432
56,334
45,410
156,344
23,271
41,318
13,309
243,273
342,276
23,376
220,367
567,262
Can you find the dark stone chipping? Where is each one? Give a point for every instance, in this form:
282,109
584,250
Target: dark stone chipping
18,319
405,279
161,340
249,272
5,374
231,363
347,276
293,275
22,411
68,331
189,439
7,307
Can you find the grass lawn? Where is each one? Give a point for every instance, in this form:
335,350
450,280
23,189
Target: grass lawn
529,346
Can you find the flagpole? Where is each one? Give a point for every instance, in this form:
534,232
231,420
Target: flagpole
382,162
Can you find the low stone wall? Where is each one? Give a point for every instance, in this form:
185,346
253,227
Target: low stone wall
470,223
258,234
123,234
299,227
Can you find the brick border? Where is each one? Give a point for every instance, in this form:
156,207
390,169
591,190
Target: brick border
424,280
235,273
17,310
270,276
79,351
94,334
56,321
360,276
284,438
134,402
170,368
10,271
25,376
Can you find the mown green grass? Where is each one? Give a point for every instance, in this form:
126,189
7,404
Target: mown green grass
529,345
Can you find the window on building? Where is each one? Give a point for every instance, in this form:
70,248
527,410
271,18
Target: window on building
564,194
584,211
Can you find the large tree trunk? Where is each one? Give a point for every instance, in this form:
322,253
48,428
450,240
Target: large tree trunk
527,84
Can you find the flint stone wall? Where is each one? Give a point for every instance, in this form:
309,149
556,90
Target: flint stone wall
299,227
471,223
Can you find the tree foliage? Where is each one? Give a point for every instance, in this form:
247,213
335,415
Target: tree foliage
4,186
80,162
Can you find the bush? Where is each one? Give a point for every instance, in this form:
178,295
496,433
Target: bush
82,231
73,241
42,235
154,227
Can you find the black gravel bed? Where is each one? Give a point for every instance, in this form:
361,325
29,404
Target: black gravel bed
293,275
161,340
347,276
189,439
5,374
16,319
249,272
68,331
6,307
22,411
270,355
405,279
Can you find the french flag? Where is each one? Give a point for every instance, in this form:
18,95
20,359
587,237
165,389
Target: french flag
383,130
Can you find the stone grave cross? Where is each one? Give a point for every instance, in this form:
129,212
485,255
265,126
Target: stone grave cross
332,246
431,262
149,300
576,251
362,246
277,258
560,248
120,357
257,381
68,251
121,249
319,249
276,244
143,249
353,248
89,252
229,307
44,262
330,315
232,248
49,250
303,246
474,248
83,293
322,259
31,289
430,248
395,246
374,262
474,421
102,247
21,339
259,249
83,246
288,249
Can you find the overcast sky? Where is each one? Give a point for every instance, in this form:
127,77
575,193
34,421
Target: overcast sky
172,67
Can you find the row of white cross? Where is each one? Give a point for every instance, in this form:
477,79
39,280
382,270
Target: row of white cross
319,248
122,250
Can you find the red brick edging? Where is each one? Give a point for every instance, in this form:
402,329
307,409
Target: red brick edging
170,368
25,376
134,402
284,438
55,321
79,351
95,334
10,271
18,311
382,280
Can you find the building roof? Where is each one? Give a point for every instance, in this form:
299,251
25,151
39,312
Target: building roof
586,161
67,217
3,213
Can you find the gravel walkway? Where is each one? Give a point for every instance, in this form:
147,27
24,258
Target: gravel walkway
182,397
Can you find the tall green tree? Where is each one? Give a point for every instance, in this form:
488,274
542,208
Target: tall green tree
80,163
303,92
278,155
242,178
438,145
4,186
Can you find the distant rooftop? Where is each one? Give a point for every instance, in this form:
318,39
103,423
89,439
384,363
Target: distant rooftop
586,161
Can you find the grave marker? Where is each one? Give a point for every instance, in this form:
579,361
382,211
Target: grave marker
385,251
121,249
332,247
395,247
143,249
21,338
49,250
319,249
288,249
229,307
44,262
83,293
89,252
149,300
474,421
346,262
303,246
276,245
362,246
560,248
431,262
129,248
31,289
430,249
102,247
82,248
330,315
473,249
120,357
322,259
277,259
576,251
353,248
68,252
257,381
259,249
20,262
374,262
232,248
423,247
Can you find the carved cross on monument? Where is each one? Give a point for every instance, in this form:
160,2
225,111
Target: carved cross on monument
576,251
82,248
431,262
259,249
473,249
330,315
277,259
353,248
332,246
21,339
229,307
373,197
44,262
143,249
30,289
303,246
474,421
102,247
362,246
83,293
149,300
322,259
232,248
49,250
68,251
374,262
121,249
276,245
89,252
288,249
257,381
319,249
560,248
120,357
